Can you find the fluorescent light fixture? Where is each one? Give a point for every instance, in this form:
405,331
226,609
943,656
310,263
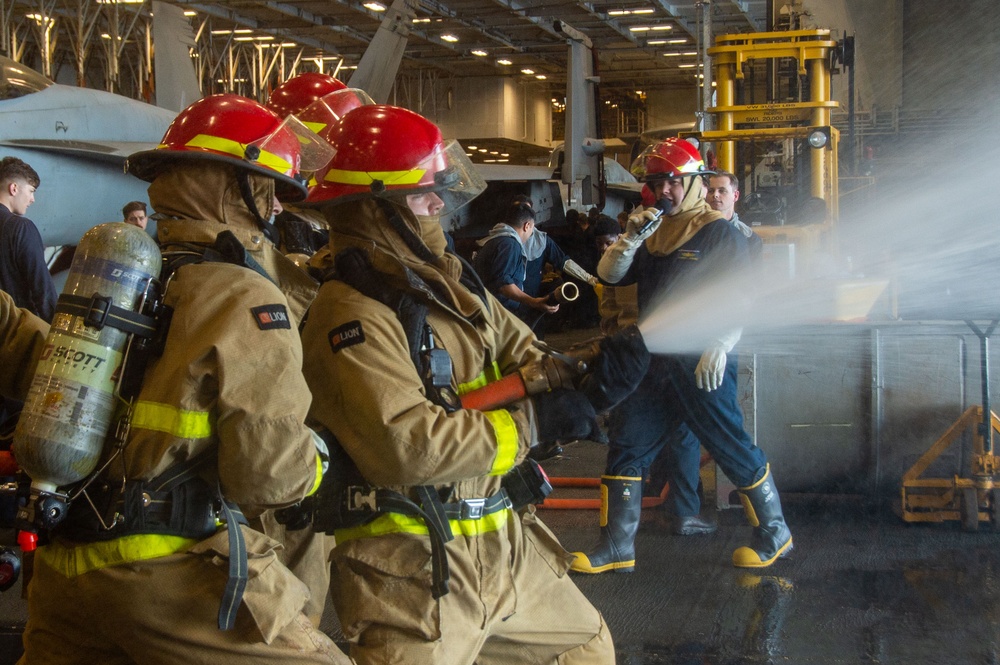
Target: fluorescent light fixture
656,42
527,71
448,37
473,147
639,28
375,6
671,55
629,12
494,152
483,150
421,20
190,12
689,53
660,28
677,41
505,154
503,160
504,61
685,66
541,77
480,53
238,31
288,44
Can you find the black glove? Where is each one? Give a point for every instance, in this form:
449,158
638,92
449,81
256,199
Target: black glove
617,370
566,415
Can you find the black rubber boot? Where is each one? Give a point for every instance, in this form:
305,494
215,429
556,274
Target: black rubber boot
771,538
621,506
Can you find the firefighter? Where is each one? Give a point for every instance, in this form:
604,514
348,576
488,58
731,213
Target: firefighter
317,100
401,327
157,565
672,259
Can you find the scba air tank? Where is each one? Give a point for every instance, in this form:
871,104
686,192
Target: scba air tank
71,402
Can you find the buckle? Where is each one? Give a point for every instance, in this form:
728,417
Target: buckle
361,497
97,313
472,509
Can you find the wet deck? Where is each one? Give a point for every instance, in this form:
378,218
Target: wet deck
860,587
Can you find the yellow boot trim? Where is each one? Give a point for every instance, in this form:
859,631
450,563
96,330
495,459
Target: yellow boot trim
581,564
745,500
744,557
603,520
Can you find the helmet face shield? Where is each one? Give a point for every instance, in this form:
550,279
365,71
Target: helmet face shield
670,158
447,172
325,111
291,140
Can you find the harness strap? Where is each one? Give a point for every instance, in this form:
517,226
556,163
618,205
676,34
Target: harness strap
98,311
437,527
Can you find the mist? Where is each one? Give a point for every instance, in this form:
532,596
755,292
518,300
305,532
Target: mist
927,248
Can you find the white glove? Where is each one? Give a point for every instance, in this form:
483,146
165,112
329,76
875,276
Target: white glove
711,369
574,269
634,227
616,259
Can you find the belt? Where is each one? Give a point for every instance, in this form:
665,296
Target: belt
474,509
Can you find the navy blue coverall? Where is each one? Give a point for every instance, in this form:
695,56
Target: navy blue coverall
668,407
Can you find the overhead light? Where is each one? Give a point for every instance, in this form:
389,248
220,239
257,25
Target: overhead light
120,2
375,6
288,44
505,154
629,12
494,152
472,147
190,12
238,31
656,42
257,38
527,71
686,66
480,53
503,160
421,20
489,161
672,54
689,53
483,150
647,28
677,41
448,37
541,77
504,61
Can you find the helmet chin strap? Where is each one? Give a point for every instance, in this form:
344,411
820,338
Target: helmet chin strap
243,178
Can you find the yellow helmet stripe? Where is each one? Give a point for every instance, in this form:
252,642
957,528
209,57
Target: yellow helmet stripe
315,126
238,150
365,178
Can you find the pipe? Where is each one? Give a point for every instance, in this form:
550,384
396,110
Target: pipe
567,292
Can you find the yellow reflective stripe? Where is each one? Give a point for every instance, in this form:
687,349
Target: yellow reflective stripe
488,375
319,475
178,422
397,523
238,150
507,441
314,126
342,177
70,561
